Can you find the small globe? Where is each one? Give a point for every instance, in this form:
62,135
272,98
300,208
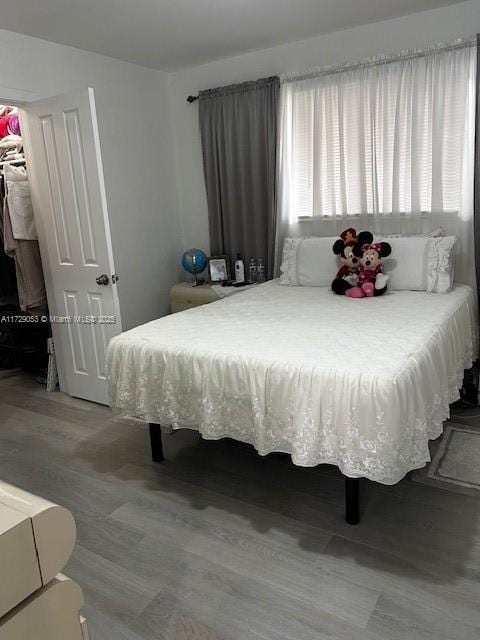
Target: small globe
194,261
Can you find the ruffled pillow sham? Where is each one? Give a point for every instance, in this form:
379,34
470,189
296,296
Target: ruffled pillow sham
420,263
417,263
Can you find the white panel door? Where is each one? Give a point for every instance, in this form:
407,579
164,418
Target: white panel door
64,161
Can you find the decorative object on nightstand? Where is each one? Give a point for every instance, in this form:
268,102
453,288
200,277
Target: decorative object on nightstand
194,261
218,268
239,269
252,270
260,275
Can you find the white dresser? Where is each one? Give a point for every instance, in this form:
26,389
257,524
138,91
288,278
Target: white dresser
37,538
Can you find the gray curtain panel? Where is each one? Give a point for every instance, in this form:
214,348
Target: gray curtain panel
238,126
476,218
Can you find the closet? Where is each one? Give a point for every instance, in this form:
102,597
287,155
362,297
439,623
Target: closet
24,324
107,265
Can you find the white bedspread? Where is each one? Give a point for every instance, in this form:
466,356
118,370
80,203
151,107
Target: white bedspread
361,384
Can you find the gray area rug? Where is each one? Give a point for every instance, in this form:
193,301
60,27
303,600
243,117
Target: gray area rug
455,464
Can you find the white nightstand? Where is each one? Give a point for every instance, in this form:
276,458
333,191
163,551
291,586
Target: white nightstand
185,296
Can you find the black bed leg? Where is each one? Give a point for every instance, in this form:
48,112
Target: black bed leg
156,442
352,500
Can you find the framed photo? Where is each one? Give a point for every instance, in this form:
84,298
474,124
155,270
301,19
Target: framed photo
218,268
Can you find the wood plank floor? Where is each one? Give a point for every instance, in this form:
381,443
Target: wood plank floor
220,544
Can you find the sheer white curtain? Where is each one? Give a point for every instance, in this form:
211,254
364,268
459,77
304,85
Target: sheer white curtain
385,145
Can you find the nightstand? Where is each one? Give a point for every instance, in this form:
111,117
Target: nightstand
184,296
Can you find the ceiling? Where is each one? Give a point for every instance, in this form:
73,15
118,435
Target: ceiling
171,34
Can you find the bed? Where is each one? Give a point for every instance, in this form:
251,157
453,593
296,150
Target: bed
360,384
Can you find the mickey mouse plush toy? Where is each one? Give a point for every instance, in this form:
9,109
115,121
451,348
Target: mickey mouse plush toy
347,275
371,280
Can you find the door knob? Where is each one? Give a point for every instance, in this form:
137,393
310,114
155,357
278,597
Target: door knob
103,279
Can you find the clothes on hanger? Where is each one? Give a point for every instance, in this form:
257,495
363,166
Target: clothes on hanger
15,173
11,143
26,254
13,154
9,121
8,278
21,211
4,126
11,140
22,286
14,124
20,203
28,266
5,109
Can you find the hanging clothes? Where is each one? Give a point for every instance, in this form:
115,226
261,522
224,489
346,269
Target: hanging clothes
21,211
20,203
11,144
4,126
14,124
8,279
28,264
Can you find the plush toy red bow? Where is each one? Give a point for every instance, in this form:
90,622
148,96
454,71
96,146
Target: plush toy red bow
374,246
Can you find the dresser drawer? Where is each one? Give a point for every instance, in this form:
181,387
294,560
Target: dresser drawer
19,570
51,613
36,540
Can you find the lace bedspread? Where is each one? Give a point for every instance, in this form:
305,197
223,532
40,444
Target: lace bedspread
361,384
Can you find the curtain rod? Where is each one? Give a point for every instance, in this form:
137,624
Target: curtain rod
460,43
238,87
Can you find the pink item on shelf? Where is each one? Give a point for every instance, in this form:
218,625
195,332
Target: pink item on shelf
4,126
14,124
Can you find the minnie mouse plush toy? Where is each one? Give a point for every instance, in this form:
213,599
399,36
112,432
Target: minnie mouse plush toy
371,280
347,275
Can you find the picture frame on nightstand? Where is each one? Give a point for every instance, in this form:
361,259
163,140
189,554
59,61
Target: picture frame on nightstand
218,270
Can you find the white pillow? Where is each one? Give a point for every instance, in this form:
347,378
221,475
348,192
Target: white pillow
308,262
417,263
420,263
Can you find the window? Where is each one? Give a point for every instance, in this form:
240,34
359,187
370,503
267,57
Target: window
381,138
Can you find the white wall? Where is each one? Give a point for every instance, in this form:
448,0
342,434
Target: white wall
417,30
137,150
